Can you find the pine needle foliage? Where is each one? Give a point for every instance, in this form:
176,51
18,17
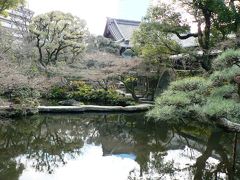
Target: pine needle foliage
203,98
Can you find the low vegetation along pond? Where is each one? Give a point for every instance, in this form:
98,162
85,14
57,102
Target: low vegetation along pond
114,147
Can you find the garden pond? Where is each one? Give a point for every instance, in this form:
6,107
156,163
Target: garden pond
114,147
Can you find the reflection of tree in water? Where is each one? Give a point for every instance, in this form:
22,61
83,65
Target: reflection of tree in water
211,143
152,143
125,134
120,134
9,169
216,146
51,143
41,139
50,140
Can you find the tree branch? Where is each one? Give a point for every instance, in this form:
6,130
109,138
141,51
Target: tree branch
185,36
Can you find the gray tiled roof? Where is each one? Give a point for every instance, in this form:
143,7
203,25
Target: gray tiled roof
120,29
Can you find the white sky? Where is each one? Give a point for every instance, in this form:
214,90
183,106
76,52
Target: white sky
93,11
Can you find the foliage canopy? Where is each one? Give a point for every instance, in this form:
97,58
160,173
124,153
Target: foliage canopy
58,36
215,19
9,4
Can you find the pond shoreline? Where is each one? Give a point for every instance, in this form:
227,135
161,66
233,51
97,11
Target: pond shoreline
93,108
86,108
222,122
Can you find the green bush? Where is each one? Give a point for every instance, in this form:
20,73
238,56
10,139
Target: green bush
226,59
58,92
219,107
79,86
73,89
83,92
224,90
27,106
176,104
20,95
164,113
102,97
198,84
22,92
220,78
199,98
178,99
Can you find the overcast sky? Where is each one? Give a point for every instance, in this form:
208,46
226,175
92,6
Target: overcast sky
94,11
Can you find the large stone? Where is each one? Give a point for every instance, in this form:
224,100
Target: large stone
237,79
235,96
70,102
163,83
231,96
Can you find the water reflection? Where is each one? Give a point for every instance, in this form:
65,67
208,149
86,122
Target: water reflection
117,146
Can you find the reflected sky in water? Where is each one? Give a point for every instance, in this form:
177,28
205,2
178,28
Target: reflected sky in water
90,165
113,147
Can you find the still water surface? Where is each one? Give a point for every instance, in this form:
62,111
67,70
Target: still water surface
114,147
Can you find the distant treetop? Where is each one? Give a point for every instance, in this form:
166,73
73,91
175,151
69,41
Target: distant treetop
9,4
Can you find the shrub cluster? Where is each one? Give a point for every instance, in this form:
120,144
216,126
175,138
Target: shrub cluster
181,98
22,95
227,59
83,92
24,101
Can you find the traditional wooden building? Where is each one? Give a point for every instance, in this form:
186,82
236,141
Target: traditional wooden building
121,31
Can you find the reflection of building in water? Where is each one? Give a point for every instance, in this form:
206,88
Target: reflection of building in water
176,150
17,21
128,144
112,146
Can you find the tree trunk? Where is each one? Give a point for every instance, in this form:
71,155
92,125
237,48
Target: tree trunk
206,62
227,125
205,41
39,47
207,16
132,91
41,57
235,141
212,144
238,90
